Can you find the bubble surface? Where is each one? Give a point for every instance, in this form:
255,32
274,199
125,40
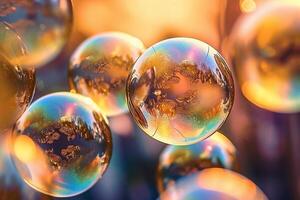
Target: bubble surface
178,161
100,66
61,145
43,25
266,47
180,91
16,84
212,184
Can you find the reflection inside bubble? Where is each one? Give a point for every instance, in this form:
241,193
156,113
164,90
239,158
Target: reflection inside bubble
62,144
100,66
180,91
179,161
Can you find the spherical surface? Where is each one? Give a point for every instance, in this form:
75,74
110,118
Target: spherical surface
43,25
16,84
266,48
180,91
179,161
61,144
100,66
212,184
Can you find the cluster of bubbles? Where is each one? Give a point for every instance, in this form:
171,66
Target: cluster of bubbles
179,91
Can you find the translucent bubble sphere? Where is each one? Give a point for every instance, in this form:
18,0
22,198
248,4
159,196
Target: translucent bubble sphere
99,68
180,91
43,25
214,184
61,145
16,84
178,161
265,53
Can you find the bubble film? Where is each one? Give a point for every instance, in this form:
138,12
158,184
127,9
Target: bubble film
178,161
180,91
61,144
16,84
100,67
212,184
43,25
266,47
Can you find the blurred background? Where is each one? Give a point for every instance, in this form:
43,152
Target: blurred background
267,142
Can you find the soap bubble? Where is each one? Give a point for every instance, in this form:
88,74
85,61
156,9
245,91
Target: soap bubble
180,91
61,144
212,184
43,25
178,161
16,84
100,66
266,47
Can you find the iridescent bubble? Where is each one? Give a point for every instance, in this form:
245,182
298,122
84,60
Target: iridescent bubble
212,184
43,25
61,145
266,47
180,91
178,161
16,84
100,67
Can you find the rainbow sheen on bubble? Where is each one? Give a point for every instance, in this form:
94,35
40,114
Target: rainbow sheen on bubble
43,25
180,91
16,84
266,47
62,144
178,161
212,184
99,68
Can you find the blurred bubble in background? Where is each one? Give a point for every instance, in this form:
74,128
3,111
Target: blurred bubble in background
43,25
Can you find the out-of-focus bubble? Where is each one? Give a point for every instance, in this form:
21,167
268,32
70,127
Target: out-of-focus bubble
43,25
212,184
266,47
100,66
180,91
16,84
61,144
178,161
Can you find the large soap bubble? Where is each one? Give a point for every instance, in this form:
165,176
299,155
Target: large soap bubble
180,91
61,144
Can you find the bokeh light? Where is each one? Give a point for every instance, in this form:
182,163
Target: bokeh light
212,184
265,53
43,25
99,68
16,84
179,161
180,91
61,145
